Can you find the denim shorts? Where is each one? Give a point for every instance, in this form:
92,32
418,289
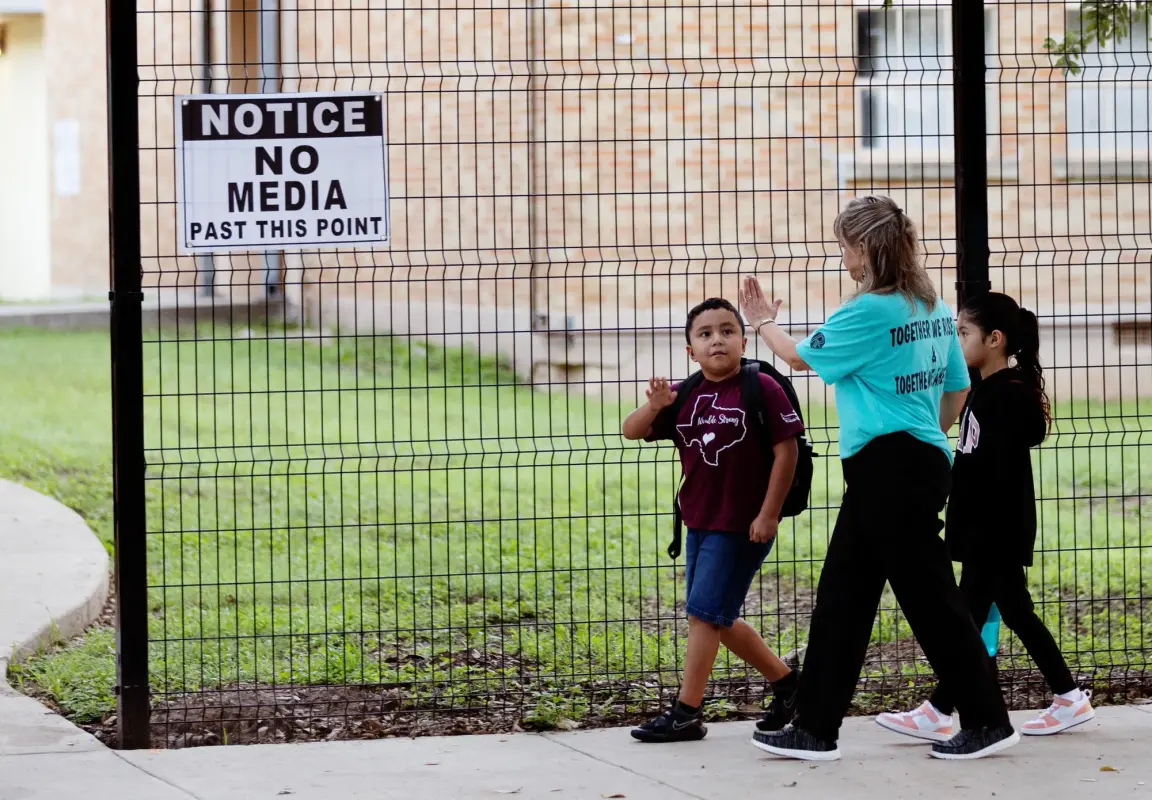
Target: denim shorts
719,568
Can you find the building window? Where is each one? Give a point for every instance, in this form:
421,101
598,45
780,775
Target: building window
904,76
1109,101
243,46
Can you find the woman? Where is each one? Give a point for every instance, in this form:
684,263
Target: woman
894,358
991,523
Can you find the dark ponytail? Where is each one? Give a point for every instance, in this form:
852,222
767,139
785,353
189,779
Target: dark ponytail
999,312
1027,347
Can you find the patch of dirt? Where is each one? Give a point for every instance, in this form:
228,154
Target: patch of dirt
264,714
1023,689
107,618
893,655
252,715
780,603
1089,614
396,654
885,686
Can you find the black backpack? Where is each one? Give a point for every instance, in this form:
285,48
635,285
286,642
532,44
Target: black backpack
752,398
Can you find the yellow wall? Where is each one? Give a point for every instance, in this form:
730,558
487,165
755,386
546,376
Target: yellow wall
25,264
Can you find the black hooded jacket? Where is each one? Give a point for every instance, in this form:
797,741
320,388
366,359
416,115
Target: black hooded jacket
992,509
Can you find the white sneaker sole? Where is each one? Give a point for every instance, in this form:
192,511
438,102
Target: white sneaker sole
1076,721
800,755
1003,744
924,736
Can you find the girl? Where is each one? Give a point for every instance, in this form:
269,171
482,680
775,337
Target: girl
894,358
991,521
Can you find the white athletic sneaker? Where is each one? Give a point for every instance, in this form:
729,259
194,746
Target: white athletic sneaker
924,723
1060,716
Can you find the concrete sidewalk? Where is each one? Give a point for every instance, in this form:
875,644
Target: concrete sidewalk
53,573
592,764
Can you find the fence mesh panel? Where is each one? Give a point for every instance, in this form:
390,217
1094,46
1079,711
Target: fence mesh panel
387,491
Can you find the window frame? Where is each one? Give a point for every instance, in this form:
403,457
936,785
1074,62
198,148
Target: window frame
868,82
1096,161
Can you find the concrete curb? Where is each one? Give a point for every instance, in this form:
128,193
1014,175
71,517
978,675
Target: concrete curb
183,310
53,584
54,574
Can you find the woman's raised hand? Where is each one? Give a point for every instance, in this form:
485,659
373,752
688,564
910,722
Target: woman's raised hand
757,310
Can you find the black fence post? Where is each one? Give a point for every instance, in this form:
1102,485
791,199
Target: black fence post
131,578
971,151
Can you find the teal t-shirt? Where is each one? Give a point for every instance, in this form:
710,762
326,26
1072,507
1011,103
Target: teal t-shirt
890,360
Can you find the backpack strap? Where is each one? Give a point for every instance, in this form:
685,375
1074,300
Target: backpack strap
677,524
686,387
752,397
752,390
785,384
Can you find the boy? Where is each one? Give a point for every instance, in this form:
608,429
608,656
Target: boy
730,503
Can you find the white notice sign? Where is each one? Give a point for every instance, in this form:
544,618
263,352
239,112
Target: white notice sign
280,171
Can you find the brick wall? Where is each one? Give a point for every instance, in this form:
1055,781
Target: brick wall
74,54
614,164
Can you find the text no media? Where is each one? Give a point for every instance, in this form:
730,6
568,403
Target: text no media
285,195
277,229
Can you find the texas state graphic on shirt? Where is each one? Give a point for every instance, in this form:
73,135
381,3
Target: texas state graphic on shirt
712,428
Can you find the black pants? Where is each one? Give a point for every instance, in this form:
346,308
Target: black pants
984,584
889,529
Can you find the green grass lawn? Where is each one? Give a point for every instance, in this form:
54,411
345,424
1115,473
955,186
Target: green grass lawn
366,510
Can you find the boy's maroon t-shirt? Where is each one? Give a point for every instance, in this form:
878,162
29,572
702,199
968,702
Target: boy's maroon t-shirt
725,469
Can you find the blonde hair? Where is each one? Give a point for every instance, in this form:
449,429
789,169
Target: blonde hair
891,248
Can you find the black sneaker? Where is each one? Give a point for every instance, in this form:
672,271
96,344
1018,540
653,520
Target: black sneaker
968,744
793,742
782,709
674,725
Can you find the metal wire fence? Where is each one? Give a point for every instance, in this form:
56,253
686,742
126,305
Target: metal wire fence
384,490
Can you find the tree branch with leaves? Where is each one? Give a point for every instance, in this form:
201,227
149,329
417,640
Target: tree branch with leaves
1101,21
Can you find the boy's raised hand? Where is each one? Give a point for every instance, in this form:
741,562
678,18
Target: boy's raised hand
659,393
